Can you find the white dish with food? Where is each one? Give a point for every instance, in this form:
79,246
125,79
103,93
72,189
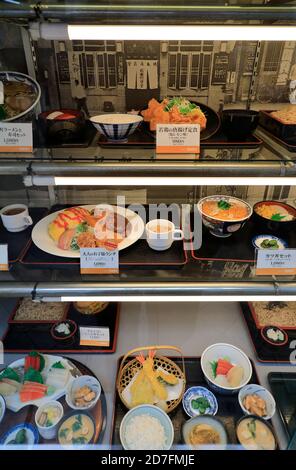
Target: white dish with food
42,239
78,429
83,393
254,433
56,377
235,366
116,127
47,419
257,400
204,433
146,427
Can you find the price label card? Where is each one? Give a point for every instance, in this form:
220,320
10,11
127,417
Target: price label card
276,262
178,138
16,137
94,336
98,261
4,258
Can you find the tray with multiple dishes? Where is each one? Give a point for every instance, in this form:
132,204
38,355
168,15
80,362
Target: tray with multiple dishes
233,230
48,399
213,402
272,328
55,326
56,239
130,130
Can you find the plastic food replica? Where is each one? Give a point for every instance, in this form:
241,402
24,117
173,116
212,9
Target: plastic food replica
147,388
173,111
77,227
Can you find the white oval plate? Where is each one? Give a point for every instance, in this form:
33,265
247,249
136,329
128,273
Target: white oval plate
43,241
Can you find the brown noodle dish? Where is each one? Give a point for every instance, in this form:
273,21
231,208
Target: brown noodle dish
204,434
18,97
287,115
275,313
35,311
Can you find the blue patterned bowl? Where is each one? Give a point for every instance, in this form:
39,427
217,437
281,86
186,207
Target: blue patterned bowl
193,393
116,127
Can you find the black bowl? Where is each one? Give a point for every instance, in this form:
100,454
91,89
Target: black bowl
274,226
238,124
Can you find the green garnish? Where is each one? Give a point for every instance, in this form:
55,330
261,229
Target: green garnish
79,440
10,373
184,106
81,228
20,438
32,375
269,243
58,365
63,433
201,404
214,365
76,426
252,428
224,205
278,217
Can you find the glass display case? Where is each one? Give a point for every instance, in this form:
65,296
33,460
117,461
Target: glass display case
147,285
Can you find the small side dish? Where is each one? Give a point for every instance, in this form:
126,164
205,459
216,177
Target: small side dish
47,418
199,401
254,433
269,242
23,434
63,330
78,429
226,368
84,392
204,432
274,335
257,400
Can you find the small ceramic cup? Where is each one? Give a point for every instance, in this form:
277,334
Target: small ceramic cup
15,217
161,233
49,432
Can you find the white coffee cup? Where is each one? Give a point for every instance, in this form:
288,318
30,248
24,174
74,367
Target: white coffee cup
161,233
15,222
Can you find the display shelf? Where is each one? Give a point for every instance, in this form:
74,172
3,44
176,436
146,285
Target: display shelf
163,12
269,159
115,289
193,328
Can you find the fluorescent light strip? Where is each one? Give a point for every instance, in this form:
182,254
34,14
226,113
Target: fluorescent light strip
161,181
179,298
165,32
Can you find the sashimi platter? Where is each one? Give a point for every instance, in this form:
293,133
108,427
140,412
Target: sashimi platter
50,398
